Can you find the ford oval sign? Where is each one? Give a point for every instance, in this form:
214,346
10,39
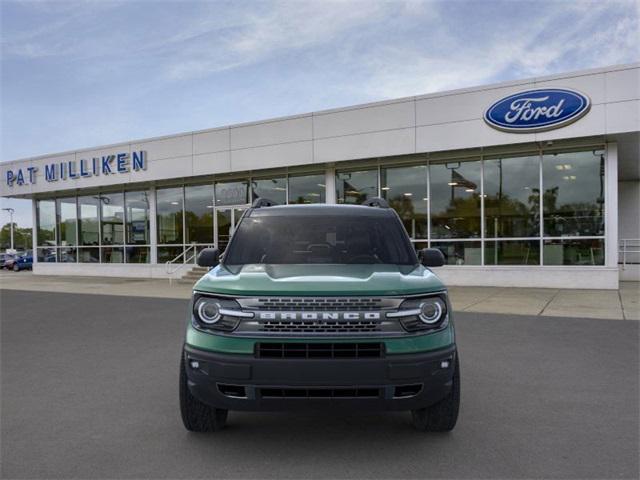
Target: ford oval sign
537,110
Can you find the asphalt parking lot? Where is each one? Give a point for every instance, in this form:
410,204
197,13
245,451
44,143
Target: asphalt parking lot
90,390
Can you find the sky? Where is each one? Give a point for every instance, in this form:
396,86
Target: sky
87,73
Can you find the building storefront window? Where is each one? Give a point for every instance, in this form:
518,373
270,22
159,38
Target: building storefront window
574,251
232,193
405,188
46,230
67,214
573,198
512,197
198,214
137,227
460,252
455,199
512,252
307,188
170,222
112,227
88,229
356,187
274,189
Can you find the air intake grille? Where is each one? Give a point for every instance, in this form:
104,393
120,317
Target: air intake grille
319,350
343,304
320,326
336,392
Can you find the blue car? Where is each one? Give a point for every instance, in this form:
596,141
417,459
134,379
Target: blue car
23,262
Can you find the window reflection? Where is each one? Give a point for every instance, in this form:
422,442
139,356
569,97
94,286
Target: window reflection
460,253
198,213
512,252
88,227
232,193
574,252
356,187
307,188
512,197
573,198
137,217
46,218
405,188
112,218
169,207
67,213
455,199
273,189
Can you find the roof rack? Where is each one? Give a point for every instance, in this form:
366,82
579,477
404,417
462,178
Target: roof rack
263,202
376,202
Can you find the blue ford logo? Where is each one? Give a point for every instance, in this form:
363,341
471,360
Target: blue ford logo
537,110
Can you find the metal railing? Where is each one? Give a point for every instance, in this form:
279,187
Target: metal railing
628,248
188,256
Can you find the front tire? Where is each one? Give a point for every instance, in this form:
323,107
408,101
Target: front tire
16,268
442,416
198,416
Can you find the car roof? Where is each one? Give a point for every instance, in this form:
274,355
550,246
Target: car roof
320,209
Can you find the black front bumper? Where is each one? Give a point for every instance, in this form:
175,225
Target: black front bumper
395,382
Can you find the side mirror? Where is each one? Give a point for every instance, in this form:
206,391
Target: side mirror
208,257
431,257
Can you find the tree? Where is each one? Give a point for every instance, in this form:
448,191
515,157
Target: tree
21,237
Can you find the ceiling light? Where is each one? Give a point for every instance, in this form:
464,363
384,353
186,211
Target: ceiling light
385,188
425,198
408,194
559,167
321,185
469,190
452,184
567,166
175,203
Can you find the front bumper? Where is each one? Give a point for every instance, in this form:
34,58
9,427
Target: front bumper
394,382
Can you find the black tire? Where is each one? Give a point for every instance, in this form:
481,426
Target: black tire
442,416
16,268
198,416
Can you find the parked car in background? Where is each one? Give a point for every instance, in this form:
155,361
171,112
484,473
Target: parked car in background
23,262
7,260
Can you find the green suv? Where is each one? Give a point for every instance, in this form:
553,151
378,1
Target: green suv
320,306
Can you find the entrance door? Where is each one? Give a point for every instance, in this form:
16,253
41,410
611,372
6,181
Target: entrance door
227,219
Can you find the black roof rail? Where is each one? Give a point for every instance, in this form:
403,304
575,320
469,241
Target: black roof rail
263,202
376,202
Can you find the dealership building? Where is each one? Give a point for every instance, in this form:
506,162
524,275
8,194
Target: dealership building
529,183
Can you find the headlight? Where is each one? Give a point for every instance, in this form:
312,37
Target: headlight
217,313
422,313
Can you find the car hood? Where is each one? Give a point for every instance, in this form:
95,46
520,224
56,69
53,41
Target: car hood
335,280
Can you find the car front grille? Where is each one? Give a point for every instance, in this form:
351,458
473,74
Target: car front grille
303,350
319,304
319,392
320,326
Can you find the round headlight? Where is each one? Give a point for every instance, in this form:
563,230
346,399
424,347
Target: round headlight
208,311
431,311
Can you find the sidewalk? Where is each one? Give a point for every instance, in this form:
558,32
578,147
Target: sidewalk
606,304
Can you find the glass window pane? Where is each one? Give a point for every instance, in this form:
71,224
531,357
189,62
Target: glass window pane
574,252
169,206
455,200
88,220
166,254
356,187
137,254
47,254
232,193
512,252
573,199
512,197
270,188
460,253
307,188
67,254
405,188
137,217
112,205
89,255
67,213
198,213
112,255
46,222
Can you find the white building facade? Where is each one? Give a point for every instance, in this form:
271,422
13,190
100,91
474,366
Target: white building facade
531,183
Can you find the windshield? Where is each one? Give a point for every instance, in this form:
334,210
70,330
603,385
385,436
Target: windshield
339,239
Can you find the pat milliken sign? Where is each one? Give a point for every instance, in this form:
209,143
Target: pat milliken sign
537,110
115,164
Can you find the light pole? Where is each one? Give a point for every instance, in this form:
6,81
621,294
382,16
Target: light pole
11,212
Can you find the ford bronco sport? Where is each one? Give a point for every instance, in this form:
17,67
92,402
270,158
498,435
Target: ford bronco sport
320,306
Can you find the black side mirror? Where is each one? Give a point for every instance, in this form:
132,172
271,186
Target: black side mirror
431,257
208,257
